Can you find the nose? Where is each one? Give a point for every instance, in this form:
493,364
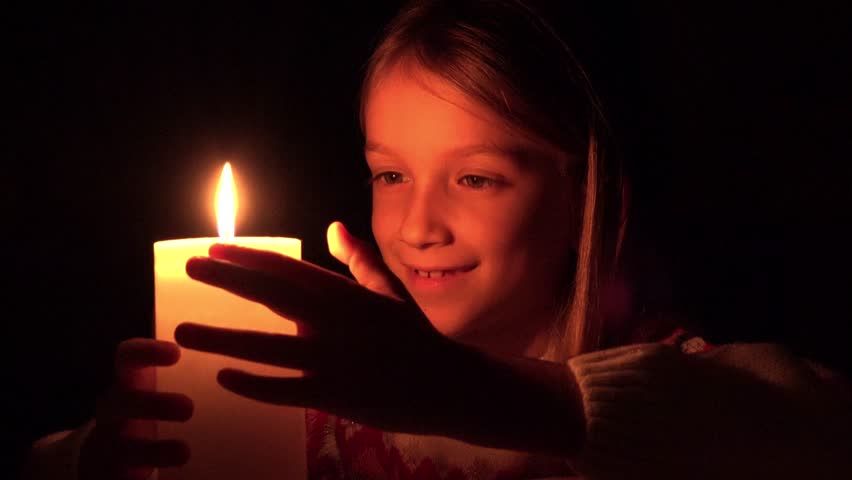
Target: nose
424,224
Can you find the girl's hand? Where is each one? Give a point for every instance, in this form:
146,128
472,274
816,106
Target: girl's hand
122,444
377,359
366,356
364,262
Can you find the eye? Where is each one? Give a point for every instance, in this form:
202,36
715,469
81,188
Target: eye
477,182
388,178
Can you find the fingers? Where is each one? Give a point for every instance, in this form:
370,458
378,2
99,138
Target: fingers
276,264
363,261
124,444
273,349
297,392
133,356
340,242
292,288
283,294
146,352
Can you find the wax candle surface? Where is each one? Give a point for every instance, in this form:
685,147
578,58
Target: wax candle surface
231,437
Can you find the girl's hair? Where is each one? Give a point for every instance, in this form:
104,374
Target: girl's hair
506,56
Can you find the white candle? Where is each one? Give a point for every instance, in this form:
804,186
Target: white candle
230,437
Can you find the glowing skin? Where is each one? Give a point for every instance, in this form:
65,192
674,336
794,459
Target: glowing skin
472,216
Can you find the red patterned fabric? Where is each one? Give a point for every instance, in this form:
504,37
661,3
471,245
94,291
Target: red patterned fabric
686,342
338,449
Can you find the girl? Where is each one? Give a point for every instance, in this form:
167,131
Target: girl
490,337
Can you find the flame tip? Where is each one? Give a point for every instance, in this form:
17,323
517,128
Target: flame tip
226,204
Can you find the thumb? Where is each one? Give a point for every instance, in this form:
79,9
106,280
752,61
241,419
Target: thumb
363,261
340,242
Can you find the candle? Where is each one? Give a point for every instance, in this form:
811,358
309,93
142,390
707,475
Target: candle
229,436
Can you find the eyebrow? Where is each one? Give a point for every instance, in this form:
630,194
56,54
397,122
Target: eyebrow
462,151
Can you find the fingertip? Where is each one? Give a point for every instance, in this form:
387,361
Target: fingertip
333,229
342,231
330,233
183,334
219,250
186,408
196,267
145,352
192,266
171,353
334,237
227,377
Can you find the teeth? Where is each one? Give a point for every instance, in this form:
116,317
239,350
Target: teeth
435,274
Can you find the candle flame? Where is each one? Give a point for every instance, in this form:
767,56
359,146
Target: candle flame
226,204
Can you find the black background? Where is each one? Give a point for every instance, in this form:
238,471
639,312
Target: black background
119,119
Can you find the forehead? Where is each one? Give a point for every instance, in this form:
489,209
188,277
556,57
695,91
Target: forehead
407,105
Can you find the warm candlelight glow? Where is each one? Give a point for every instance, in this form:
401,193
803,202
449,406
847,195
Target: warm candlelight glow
230,436
226,204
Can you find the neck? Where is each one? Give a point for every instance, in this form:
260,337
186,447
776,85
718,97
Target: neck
528,336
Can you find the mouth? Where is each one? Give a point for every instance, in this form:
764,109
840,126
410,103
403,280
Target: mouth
429,276
440,273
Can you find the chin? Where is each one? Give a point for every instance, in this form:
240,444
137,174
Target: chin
443,320
453,324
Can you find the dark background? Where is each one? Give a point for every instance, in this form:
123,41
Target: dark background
119,119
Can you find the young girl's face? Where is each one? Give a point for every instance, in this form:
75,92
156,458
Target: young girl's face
472,216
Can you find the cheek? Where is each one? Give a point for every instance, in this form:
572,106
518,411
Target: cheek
520,223
529,243
385,221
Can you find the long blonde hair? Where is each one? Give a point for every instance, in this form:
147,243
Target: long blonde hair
505,55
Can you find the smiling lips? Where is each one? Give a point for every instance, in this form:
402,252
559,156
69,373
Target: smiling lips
438,273
435,273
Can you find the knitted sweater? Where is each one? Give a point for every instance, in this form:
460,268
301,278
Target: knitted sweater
749,411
